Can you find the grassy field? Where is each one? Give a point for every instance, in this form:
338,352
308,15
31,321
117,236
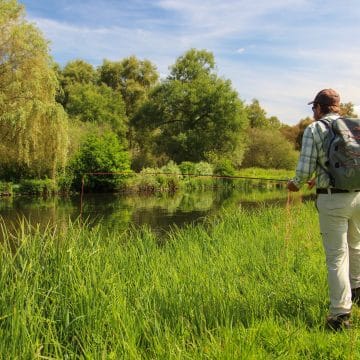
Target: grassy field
248,285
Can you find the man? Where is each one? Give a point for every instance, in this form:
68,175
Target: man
339,213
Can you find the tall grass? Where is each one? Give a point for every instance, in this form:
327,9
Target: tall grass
245,286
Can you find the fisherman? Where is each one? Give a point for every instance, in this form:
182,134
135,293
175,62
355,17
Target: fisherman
338,209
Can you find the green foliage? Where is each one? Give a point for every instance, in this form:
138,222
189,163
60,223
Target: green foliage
200,168
203,168
257,117
78,71
187,167
197,182
132,77
347,109
100,154
64,182
170,168
166,178
43,187
74,72
33,126
98,104
6,188
224,167
269,149
256,172
188,116
192,64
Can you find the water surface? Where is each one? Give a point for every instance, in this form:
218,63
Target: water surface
117,212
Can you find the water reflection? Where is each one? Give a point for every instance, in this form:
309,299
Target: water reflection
117,211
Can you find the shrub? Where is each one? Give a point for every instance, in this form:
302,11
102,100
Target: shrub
6,188
64,182
224,167
268,149
172,181
203,168
43,187
187,167
171,168
101,155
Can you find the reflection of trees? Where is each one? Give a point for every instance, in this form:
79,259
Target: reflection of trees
116,212
108,209
197,201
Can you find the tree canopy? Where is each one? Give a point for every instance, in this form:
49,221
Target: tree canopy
33,126
193,113
98,104
258,118
132,77
267,148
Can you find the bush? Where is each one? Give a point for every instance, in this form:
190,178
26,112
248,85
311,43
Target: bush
43,187
203,168
224,167
171,168
166,178
269,149
98,157
64,182
187,168
6,188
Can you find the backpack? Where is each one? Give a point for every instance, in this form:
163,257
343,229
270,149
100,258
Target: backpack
342,145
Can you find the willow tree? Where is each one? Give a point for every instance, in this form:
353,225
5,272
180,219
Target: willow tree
33,127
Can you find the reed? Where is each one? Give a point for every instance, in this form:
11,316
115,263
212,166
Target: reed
245,285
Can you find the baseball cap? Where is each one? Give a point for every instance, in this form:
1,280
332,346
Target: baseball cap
326,97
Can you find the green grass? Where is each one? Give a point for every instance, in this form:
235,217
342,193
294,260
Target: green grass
266,173
247,285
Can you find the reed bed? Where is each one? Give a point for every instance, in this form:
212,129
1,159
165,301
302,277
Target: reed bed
247,285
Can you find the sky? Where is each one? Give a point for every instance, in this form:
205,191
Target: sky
280,52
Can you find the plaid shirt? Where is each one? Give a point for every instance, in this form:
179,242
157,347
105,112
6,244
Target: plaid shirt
313,156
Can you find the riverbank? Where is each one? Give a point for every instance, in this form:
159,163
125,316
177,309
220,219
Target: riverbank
238,287
151,181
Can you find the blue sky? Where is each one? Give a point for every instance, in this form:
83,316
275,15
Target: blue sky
280,52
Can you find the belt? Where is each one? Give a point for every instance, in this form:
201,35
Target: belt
334,191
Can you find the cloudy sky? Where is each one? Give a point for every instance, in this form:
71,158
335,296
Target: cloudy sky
280,52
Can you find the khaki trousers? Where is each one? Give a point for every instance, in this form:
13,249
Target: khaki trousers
339,216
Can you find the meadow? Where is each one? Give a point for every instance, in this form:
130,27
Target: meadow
244,285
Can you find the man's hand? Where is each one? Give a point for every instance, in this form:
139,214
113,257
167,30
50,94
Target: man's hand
291,186
311,183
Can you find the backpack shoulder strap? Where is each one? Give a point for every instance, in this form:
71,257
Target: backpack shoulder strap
326,123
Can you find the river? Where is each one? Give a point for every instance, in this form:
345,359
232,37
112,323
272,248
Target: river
117,212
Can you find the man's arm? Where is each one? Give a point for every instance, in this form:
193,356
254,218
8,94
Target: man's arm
307,162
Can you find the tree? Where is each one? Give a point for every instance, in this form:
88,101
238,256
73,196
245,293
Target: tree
33,126
347,109
257,117
79,71
98,104
192,64
193,113
268,149
132,77
75,72
100,154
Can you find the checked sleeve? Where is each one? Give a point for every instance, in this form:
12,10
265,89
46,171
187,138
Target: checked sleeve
308,156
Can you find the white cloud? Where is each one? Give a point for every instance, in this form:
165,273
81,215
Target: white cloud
288,52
